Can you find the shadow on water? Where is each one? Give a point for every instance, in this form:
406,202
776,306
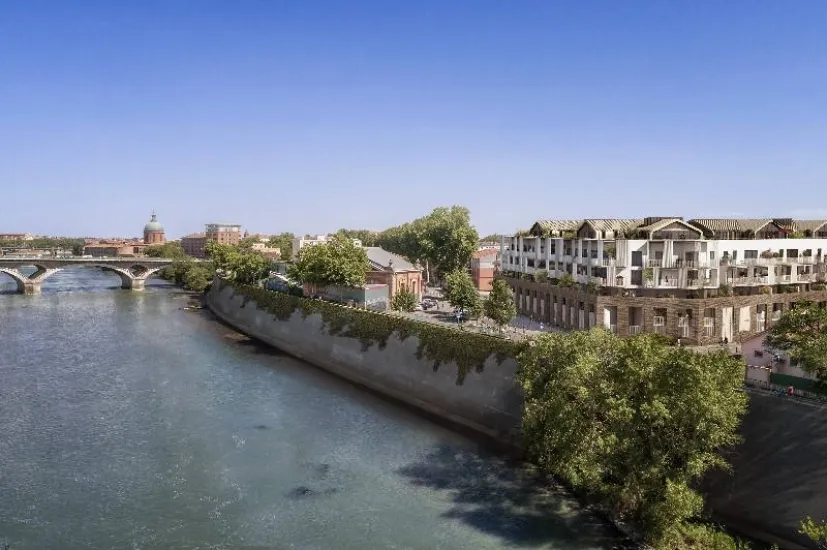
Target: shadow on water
511,500
256,347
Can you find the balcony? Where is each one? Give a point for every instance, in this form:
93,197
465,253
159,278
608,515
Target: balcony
635,329
671,283
783,278
698,283
805,277
742,281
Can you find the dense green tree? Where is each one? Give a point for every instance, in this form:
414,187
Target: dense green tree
815,531
460,292
802,334
404,300
443,241
499,305
171,249
239,264
48,243
367,236
284,242
336,262
492,238
198,277
630,421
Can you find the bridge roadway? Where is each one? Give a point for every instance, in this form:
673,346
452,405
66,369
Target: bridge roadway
134,272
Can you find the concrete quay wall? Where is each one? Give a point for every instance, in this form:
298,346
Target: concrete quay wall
779,472
487,402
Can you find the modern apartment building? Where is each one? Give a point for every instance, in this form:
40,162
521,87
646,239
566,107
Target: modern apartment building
702,280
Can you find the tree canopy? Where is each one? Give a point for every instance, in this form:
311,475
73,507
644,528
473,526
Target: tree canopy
238,264
367,236
445,240
403,300
460,291
630,421
802,334
337,262
62,243
172,249
499,305
284,242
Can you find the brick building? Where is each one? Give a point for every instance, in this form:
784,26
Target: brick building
483,267
704,281
111,249
395,271
154,231
223,233
194,244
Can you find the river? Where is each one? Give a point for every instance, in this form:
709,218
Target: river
128,422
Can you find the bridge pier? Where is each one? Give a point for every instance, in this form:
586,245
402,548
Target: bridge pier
133,284
28,287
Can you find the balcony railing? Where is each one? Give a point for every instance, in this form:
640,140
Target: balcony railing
783,278
697,283
776,315
747,280
613,329
804,277
678,263
635,329
771,261
671,283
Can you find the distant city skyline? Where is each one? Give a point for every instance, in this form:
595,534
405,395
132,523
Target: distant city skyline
311,116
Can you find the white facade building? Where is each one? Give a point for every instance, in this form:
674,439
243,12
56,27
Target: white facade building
670,253
301,242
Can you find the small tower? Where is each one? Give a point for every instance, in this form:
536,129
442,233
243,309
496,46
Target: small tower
154,231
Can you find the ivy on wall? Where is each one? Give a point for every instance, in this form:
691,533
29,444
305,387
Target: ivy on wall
438,344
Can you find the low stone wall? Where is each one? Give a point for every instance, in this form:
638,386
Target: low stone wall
487,401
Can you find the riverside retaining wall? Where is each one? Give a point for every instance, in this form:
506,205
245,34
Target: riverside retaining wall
779,471
487,402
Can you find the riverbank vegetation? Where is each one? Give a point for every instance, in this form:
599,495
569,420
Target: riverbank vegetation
632,424
439,344
47,243
802,334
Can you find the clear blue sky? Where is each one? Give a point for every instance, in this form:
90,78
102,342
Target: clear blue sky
309,115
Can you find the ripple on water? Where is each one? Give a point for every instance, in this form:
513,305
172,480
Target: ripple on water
129,423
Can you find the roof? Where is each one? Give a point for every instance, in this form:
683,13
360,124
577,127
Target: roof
486,252
195,236
379,258
660,224
153,226
731,224
613,224
116,245
809,225
558,225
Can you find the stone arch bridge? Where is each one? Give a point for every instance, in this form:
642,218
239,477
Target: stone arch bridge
133,272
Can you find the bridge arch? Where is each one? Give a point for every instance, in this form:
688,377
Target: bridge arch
17,277
133,274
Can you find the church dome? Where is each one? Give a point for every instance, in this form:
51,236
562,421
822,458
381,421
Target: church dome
153,226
